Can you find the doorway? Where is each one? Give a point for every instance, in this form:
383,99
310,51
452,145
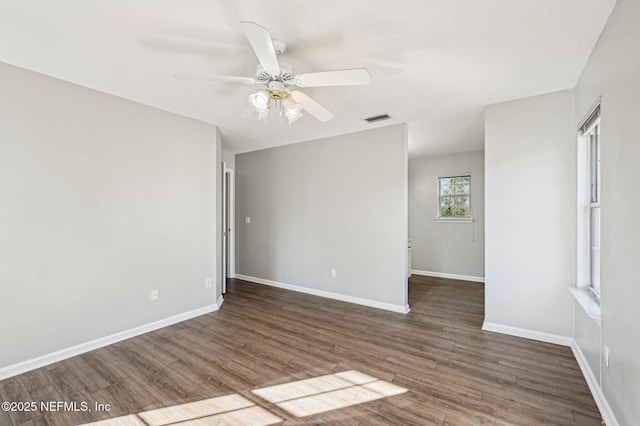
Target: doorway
228,240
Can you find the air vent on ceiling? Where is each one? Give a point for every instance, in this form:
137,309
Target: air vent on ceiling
377,118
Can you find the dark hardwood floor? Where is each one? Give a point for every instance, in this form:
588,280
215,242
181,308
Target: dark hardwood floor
455,373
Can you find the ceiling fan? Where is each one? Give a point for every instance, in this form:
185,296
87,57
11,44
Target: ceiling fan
278,77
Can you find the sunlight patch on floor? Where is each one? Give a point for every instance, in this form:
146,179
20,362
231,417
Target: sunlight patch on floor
325,393
301,398
194,410
224,410
131,420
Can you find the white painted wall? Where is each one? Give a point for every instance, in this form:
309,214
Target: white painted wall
334,203
102,200
530,213
446,247
613,72
229,158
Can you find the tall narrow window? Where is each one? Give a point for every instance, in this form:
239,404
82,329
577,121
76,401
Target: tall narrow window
589,198
454,197
593,138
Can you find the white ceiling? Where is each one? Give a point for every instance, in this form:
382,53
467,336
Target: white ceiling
434,65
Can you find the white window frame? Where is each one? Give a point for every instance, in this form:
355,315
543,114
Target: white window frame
458,219
585,292
594,207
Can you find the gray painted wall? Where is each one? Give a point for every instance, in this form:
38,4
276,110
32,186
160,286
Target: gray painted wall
530,213
450,248
613,72
102,200
336,203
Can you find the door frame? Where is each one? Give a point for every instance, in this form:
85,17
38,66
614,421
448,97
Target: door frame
228,225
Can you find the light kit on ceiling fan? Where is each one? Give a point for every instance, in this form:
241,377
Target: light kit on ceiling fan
278,77
260,101
292,109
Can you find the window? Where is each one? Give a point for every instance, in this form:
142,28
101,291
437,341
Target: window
589,197
454,197
593,138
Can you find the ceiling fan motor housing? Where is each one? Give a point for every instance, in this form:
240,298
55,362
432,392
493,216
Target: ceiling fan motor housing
279,46
277,90
286,73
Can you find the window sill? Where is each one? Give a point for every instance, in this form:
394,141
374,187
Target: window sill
590,306
455,220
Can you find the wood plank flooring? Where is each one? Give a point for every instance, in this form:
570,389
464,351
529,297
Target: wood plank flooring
454,373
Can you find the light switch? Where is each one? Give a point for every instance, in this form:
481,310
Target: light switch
247,219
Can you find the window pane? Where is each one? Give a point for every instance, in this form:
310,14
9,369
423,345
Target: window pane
446,186
462,189
595,249
461,207
461,211
446,212
447,181
593,154
462,201
462,180
446,207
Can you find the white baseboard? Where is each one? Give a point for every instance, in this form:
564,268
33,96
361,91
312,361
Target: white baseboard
594,386
587,372
329,295
527,334
450,276
62,354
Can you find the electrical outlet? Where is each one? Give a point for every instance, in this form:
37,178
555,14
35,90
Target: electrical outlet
207,283
333,273
154,295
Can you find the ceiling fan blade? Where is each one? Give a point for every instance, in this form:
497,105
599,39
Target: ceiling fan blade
223,78
354,77
311,106
262,45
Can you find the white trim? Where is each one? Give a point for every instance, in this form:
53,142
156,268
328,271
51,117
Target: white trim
590,114
62,354
232,219
588,304
329,295
596,391
445,275
527,334
583,199
585,207
454,219
594,387
224,235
